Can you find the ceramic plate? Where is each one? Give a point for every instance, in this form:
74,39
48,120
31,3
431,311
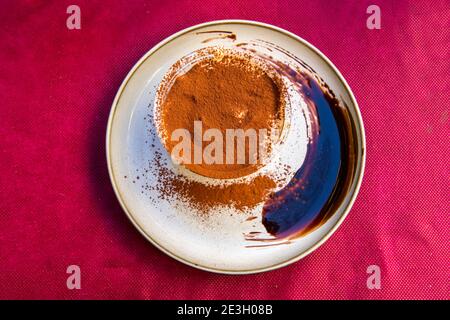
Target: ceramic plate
217,242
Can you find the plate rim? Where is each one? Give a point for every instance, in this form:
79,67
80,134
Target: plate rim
360,131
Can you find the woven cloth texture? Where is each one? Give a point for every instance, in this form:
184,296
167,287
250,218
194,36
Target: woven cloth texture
58,208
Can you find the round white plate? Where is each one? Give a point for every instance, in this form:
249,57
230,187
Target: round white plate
215,243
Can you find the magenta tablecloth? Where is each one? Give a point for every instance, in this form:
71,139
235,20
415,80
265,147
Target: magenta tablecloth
57,207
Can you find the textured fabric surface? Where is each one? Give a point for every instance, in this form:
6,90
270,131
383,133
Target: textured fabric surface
58,208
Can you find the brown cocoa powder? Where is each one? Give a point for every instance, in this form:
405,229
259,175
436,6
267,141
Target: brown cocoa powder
225,92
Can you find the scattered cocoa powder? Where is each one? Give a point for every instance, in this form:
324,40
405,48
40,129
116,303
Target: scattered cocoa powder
224,92
239,195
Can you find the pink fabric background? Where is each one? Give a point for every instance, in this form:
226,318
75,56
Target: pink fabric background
57,206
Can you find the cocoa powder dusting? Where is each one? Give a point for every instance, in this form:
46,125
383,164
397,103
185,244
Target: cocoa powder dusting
204,197
223,92
239,195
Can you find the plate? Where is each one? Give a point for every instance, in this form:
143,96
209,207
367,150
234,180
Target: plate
217,242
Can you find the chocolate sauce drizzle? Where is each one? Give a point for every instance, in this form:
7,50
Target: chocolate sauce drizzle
317,187
322,182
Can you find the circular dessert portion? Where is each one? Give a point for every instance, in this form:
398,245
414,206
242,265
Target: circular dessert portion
230,108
